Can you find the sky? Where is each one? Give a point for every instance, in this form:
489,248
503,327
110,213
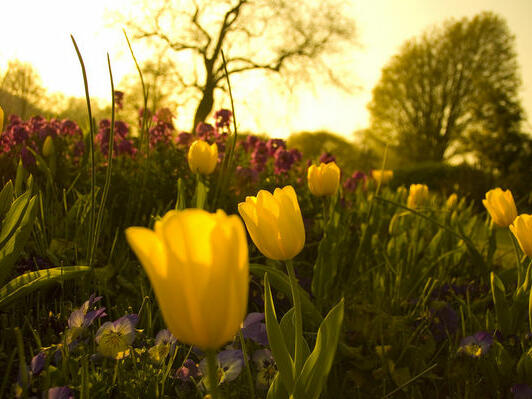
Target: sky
38,32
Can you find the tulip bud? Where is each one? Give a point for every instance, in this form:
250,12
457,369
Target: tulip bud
202,157
48,148
501,206
274,223
382,176
324,179
451,201
197,263
522,230
417,196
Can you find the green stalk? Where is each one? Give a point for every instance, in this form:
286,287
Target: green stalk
246,363
298,357
109,168
517,259
212,374
91,146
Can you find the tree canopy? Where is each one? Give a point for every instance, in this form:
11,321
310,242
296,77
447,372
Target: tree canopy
451,85
278,36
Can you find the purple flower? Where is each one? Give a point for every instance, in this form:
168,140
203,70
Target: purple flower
119,99
476,345
255,329
259,156
165,337
60,393
188,370
223,118
250,142
443,320
266,367
521,391
184,139
205,131
283,161
296,154
230,363
355,180
327,157
37,363
114,338
27,157
274,144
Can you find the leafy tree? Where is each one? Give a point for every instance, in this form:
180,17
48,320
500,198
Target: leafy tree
446,86
289,37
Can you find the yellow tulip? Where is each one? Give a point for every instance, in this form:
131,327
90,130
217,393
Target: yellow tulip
451,201
382,176
202,157
323,179
417,195
501,206
274,223
1,119
198,265
522,230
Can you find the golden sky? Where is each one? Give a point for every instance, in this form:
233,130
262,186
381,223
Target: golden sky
37,31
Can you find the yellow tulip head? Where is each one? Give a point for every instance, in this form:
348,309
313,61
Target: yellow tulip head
417,195
501,206
324,179
198,265
522,230
382,176
1,119
451,201
274,222
202,157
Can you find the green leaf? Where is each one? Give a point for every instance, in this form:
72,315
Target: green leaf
11,249
310,382
277,390
29,282
280,352
289,333
281,282
502,310
6,198
14,217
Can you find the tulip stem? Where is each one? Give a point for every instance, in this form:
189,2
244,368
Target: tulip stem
212,374
246,363
517,259
298,360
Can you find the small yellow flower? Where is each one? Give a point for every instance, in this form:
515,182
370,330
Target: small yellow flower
451,201
417,196
198,265
522,230
274,223
202,157
382,176
323,179
501,206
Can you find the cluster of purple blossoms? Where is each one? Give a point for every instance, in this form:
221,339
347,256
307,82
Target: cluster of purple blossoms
184,139
21,135
284,159
119,99
164,128
357,179
206,131
327,157
259,156
223,118
121,143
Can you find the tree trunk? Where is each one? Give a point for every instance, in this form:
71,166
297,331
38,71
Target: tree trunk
205,106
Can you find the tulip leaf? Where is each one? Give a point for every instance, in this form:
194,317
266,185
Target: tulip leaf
502,310
310,382
281,282
16,235
6,198
13,217
280,352
289,332
277,390
29,282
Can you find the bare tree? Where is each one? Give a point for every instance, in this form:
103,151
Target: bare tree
279,36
